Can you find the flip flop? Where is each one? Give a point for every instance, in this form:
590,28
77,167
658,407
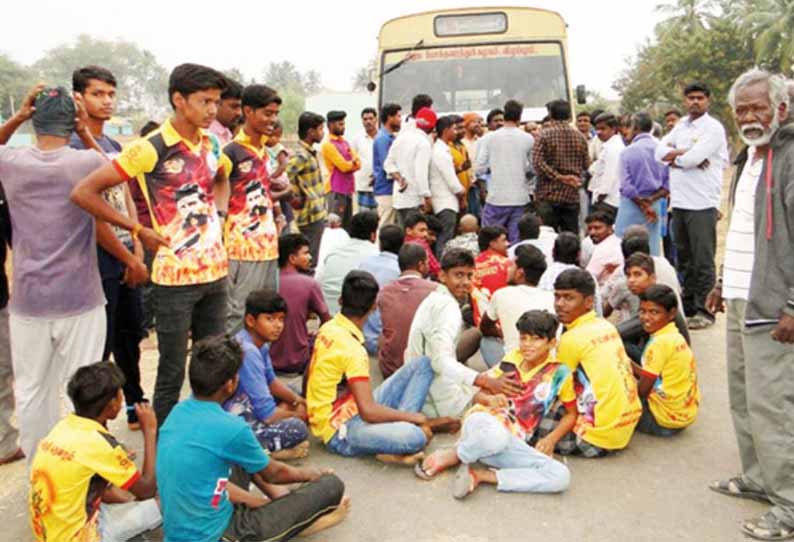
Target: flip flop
422,474
768,527
736,487
462,485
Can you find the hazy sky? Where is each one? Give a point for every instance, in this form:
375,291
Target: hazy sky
334,38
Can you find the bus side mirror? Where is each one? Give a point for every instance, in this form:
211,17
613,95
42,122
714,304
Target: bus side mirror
371,86
581,95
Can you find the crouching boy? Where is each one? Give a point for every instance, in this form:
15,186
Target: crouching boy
668,385
208,458
498,430
79,466
274,413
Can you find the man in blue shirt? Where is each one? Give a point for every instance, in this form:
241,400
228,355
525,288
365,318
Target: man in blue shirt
275,413
207,459
643,183
384,186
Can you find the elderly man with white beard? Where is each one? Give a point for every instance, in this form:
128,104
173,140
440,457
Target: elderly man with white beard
757,286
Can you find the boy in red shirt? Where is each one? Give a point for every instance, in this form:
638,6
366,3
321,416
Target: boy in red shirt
492,266
416,231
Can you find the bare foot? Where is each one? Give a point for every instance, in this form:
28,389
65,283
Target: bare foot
298,452
438,462
329,520
394,459
444,424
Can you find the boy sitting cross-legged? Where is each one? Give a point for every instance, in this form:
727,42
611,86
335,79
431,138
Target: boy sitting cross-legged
344,411
79,465
275,413
668,385
498,430
209,457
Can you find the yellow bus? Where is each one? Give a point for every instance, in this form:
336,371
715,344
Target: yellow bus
475,59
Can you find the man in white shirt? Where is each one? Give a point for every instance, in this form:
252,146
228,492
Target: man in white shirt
508,304
408,162
605,184
348,256
507,153
697,151
435,331
446,191
362,145
607,254
531,231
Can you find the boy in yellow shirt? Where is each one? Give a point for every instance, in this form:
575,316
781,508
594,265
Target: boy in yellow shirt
500,431
668,384
606,390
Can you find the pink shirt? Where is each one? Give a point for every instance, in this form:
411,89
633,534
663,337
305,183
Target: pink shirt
220,131
607,256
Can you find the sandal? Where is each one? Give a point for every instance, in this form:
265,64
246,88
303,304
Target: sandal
463,484
736,487
768,527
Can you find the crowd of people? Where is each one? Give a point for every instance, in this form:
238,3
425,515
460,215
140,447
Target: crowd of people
573,257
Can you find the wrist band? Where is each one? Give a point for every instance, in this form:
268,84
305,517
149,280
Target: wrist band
136,229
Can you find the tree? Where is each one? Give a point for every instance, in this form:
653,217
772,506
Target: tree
142,81
237,75
363,75
684,15
293,87
769,26
15,81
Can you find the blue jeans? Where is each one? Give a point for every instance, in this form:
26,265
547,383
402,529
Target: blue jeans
492,350
372,330
650,426
630,214
520,467
405,390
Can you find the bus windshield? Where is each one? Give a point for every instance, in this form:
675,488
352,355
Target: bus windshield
477,77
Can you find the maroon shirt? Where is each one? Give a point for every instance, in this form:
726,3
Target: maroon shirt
290,353
398,302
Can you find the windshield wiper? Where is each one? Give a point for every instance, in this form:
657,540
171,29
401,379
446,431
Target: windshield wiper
404,60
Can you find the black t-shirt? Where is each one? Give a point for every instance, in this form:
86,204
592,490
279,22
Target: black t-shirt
5,240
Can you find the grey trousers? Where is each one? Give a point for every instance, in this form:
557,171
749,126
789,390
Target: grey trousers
761,394
8,433
244,278
695,234
314,233
449,220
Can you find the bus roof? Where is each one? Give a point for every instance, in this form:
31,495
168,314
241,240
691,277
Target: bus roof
402,31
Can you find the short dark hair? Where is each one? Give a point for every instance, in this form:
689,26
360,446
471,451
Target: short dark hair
420,101
600,216
456,257
391,238
493,113
213,362
607,118
531,260
641,260
288,245
594,115
538,323
642,122
363,225
92,387
559,110
513,110
389,110
359,292
81,77
581,114
234,90
488,234
258,96
673,111
148,128
443,123
308,121
413,218
529,227
566,248
661,295
264,301
576,279
635,244
187,79
697,86
369,110
410,256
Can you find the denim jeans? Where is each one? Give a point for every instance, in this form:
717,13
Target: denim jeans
405,390
182,312
520,467
492,350
650,426
630,214
372,330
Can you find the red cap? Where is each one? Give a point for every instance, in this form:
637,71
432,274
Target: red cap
425,119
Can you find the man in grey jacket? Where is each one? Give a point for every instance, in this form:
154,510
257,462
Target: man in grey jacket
757,286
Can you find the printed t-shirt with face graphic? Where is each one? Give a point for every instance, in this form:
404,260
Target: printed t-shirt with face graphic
250,232
541,386
176,178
